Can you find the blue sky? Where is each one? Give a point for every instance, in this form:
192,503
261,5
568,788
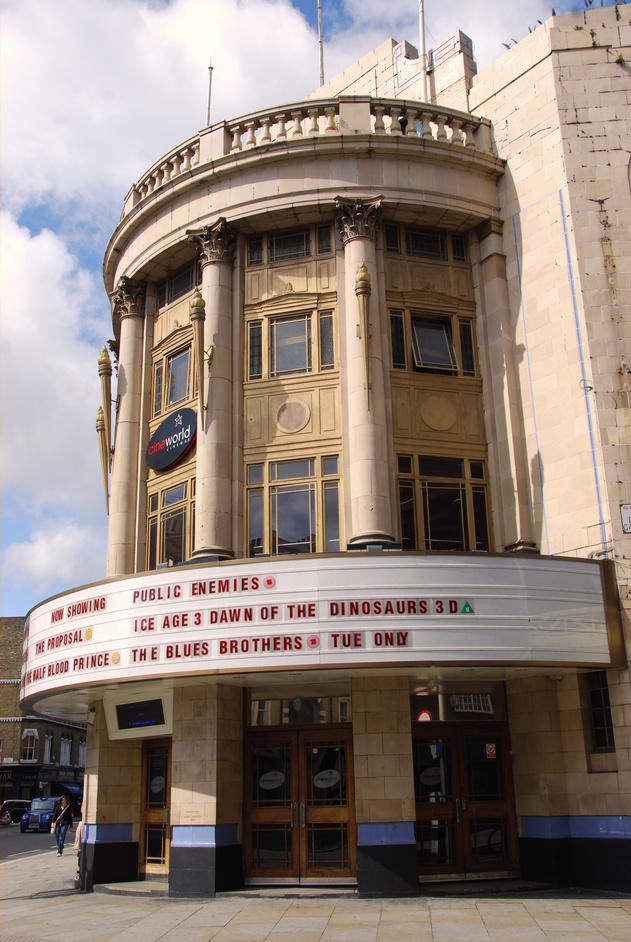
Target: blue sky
92,93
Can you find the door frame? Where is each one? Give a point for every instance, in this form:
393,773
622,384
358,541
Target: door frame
160,816
460,811
298,813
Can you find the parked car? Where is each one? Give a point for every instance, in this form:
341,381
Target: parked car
39,816
16,807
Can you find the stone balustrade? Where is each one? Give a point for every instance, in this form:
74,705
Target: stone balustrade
314,120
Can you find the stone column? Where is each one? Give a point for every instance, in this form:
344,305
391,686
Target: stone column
129,305
363,396
516,527
213,498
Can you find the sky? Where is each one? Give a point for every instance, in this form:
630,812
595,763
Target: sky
92,92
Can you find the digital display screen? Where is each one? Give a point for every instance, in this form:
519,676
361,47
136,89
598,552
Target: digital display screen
136,715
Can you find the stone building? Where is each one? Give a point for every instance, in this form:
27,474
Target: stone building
366,607
39,756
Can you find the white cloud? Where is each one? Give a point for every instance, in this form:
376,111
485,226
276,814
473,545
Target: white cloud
57,556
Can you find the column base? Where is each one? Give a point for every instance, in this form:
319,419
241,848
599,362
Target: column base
204,861
108,855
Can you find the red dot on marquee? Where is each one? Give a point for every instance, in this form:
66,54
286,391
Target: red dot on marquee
269,581
313,641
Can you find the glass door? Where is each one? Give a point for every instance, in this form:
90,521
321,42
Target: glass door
155,824
465,819
300,822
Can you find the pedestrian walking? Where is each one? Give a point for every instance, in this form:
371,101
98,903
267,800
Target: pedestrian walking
61,822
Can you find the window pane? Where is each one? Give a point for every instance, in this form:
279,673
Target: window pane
458,248
329,465
289,245
157,390
293,519
256,351
181,283
255,522
445,515
433,349
331,518
286,470
173,536
480,519
397,334
174,495
392,239
602,723
408,516
466,347
326,340
162,294
153,544
291,345
425,244
178,368
404,463
255,251
430,467
324,240
255,474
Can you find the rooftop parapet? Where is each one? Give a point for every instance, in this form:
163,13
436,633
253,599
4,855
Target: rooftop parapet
316,121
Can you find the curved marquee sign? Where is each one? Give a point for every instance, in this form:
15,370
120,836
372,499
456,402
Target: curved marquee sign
172,440
344,611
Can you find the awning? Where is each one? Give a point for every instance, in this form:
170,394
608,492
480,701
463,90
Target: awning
71,787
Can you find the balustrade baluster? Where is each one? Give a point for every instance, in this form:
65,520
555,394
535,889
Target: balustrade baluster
297,125
379,112
281,133
314,114
467,130
439,121
331,127
250,127
236,138
395,127
265,137
412,117
456,136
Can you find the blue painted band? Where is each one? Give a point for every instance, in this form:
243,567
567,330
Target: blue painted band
107,833
208,835
616,827
393,833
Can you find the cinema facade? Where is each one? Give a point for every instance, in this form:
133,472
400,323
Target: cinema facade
362,622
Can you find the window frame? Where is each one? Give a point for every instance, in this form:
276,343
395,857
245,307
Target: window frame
161,385
318,343
160,510
268,483
422,493
458,329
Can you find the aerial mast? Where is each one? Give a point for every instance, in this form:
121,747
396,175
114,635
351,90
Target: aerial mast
320,44
210,85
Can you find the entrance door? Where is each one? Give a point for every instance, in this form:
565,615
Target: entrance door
300,822
155,824
465,819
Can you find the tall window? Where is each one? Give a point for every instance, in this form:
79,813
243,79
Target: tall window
48,747
28,746
291,345
170,526
432,344
600,712
443,503
293,507
81,762
172,381
65,751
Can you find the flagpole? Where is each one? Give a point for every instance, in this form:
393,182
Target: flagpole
320,42
421,30
210,85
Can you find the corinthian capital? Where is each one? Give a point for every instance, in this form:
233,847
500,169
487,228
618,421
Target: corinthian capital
216,243
128,300
358,219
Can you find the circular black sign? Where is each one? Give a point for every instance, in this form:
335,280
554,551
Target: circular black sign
172,440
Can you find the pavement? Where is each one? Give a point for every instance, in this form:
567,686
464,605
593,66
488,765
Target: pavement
39,904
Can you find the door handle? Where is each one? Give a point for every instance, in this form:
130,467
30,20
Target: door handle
294,814
302,814
464,804
457,810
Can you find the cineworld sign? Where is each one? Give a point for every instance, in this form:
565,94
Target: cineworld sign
172,440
